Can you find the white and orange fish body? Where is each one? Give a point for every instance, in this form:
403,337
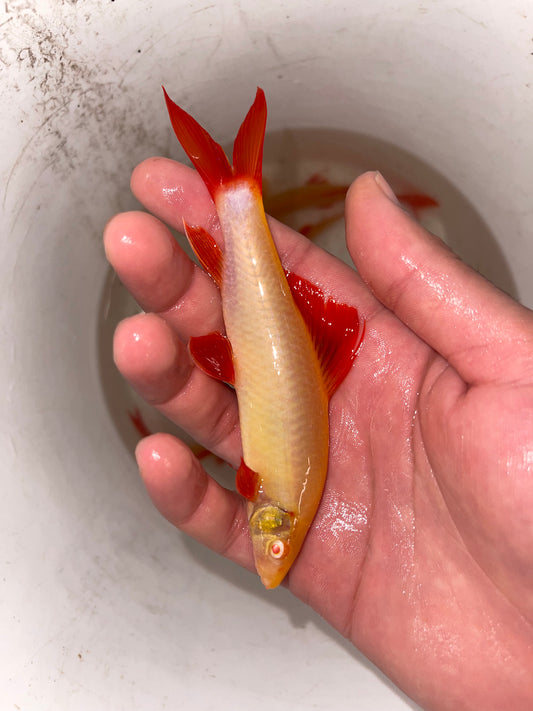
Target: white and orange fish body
285,351
283,403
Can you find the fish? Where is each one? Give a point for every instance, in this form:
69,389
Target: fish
318,193
312,194
285,349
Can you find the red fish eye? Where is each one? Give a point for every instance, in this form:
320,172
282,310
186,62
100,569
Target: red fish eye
278,549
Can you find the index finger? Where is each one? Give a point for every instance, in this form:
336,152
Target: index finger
174,193
160,275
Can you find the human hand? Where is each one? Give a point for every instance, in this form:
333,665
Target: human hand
421,551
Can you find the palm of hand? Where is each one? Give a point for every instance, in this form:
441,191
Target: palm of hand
420,509
421,549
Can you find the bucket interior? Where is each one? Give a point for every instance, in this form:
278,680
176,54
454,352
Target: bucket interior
106,603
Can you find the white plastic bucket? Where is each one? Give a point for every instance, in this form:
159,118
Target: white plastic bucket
104,605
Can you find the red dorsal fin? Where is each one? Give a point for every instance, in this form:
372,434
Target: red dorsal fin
247,482
206,155
248,146
207,250
212,353
336,329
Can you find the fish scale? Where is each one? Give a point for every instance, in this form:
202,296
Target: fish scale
277,373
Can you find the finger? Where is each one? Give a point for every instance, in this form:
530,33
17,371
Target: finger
160,276
157,365
191,500
175,193
481,331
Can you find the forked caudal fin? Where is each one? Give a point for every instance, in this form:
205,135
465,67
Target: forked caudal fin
207,155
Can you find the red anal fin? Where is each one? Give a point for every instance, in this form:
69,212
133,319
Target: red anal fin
336,329
248,146
207,250
247,482
212,353
206,155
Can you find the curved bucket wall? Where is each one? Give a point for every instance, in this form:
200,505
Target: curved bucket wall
103,604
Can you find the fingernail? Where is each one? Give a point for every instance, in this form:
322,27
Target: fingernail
385,188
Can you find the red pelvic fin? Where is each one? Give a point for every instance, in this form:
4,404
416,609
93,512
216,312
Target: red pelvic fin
248,146
206,155
207,250
212,353
336,329
247,482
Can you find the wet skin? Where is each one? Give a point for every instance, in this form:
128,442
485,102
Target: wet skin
421,552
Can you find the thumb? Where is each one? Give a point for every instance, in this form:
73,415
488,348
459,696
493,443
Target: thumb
483,333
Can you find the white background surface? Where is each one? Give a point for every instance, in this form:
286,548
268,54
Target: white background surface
102,604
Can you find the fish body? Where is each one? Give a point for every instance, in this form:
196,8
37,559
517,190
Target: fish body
283,404
282,350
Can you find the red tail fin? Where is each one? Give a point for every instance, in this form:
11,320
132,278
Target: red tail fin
208,157
248,146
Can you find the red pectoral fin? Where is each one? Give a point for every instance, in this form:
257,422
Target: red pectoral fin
336,329
247,482
212,354
207,250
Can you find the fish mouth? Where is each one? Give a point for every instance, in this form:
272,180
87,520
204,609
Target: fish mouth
271,579
271,570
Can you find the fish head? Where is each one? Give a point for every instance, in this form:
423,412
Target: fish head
271,528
